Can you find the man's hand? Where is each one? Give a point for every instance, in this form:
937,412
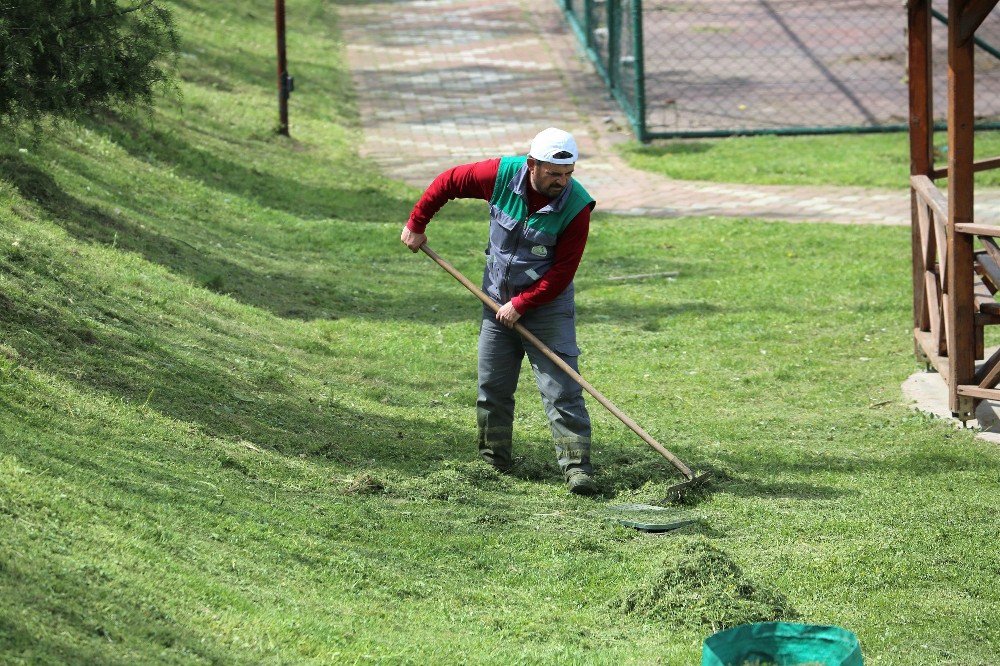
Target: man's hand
412,240
508,316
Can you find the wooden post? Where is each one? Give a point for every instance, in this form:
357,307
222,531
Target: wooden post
921,145
961,139
283,78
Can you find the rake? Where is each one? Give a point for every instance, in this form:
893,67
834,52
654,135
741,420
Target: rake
674,493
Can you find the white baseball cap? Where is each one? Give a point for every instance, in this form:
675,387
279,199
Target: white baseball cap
554,146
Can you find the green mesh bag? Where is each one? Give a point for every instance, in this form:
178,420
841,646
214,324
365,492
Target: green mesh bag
782,644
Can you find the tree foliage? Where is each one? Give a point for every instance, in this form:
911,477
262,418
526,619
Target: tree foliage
66,57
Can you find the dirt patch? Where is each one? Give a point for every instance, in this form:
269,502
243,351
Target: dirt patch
365,483
9,352
700,585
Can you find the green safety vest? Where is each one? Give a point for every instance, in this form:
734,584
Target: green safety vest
521,248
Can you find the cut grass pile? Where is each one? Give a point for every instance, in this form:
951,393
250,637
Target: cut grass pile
237,417
455,481
699,585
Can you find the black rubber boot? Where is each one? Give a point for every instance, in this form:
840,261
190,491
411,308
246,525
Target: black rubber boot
580,482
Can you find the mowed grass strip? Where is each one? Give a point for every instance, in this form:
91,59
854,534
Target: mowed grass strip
237,417
855,160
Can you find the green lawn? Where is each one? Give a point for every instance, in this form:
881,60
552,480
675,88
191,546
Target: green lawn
863,160
237,416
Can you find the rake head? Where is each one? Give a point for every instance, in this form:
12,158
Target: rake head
678,492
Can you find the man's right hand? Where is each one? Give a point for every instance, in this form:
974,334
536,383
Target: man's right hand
412,239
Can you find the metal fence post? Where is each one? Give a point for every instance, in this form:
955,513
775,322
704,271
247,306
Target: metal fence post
614,44
639,69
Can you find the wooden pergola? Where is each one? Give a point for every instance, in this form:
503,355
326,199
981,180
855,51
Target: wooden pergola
954,284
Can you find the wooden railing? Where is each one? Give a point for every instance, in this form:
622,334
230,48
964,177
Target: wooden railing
935,317
954,284
932,321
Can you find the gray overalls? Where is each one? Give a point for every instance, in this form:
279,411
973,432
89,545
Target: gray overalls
521,249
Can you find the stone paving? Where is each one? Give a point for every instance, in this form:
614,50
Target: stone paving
445,82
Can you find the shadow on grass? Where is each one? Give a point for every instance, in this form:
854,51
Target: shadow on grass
672,148
289,294
285,294
278,192
629,470
112,347
86,619
753,487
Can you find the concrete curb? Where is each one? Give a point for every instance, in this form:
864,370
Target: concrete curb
927,392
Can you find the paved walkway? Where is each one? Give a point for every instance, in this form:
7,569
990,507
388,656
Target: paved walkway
444,82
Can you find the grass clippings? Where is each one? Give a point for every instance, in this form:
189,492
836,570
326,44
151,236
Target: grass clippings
699,585
456,480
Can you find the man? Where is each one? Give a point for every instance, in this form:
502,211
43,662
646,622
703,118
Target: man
539,220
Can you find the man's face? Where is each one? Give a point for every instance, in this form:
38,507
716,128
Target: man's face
549,179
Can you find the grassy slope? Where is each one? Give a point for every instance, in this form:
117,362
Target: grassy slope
235,418
862,160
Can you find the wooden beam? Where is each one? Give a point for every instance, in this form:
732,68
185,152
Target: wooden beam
958,300
973,391
972,16
984,319
991,247
946,325
933,291
977,166
983,297
989,270
922,261
926,342
989,307
986,164
931,195
921,87
978,229
979,320
979,336
988,373
927,251
941,243
983,287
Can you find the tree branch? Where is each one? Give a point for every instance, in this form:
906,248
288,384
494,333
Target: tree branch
89,19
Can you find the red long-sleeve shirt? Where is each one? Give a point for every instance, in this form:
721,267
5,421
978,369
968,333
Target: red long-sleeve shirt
475,181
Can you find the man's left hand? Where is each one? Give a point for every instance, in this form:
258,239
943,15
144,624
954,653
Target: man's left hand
508,315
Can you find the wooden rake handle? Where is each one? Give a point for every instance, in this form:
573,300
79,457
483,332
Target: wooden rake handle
552,356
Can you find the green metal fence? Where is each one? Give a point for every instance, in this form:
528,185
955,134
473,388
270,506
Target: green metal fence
682,68
610,32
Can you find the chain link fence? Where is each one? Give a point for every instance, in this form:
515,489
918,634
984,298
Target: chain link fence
725,67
